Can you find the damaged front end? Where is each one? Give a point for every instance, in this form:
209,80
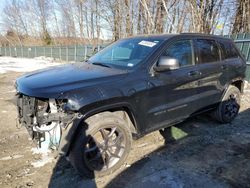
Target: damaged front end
44,119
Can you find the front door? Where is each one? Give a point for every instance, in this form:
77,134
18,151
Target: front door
171,95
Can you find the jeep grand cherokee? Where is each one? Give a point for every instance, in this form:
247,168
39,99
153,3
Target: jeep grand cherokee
90,111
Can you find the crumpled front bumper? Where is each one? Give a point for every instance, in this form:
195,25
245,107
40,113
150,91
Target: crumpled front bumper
47,127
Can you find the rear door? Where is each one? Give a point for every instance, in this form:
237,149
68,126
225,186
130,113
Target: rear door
213,73
233,64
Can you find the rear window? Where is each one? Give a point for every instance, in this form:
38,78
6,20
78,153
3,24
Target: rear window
228,50
208,51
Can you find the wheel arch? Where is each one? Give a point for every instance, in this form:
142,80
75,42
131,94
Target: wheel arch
124,110
118,108
239,84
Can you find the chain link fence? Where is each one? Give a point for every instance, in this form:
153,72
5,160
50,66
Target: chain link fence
65,53
242,41
82,52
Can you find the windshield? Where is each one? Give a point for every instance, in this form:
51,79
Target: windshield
126,53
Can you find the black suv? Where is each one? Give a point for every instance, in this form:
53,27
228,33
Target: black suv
90,111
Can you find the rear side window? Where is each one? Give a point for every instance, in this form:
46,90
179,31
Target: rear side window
181,50
208,51
228,50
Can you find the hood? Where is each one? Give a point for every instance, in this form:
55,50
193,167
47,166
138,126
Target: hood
53,82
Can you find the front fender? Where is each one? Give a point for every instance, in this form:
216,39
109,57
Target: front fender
70,133
80,98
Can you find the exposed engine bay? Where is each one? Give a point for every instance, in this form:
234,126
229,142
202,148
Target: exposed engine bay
44,119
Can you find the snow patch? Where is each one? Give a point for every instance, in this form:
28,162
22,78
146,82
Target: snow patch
45,157
8,64
10,157
44,58
36,150
43,161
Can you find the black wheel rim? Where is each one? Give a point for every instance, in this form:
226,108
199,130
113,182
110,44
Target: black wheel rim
232,106
104,148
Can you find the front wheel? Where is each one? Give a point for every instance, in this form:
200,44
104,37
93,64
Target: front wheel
229,107
102,145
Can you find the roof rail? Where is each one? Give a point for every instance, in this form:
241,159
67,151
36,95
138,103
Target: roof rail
194,33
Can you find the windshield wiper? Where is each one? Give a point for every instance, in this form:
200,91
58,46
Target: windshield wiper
101,64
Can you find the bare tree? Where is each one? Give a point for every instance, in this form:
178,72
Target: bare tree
116,32
80,16
55,17
42,9
90,20
14,17
128,18
204,14
68,25
242,17
160,14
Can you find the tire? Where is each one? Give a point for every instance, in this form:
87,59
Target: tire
229,107
91,156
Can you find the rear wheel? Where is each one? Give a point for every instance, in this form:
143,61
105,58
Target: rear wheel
102,145
229,107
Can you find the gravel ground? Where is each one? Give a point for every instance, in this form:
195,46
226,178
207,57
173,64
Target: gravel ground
211,155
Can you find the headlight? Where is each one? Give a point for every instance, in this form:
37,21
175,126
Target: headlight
71,105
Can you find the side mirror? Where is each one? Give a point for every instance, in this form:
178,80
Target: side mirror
167,63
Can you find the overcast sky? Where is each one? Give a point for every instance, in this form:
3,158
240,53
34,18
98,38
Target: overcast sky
2,3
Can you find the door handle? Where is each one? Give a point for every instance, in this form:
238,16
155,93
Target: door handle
194,73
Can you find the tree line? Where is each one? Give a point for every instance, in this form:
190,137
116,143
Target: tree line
91,21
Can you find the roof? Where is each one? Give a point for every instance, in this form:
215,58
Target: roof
167,36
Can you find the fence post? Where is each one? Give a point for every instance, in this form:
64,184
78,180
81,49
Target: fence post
67,53
60,52
248,52
22,50
10,51
44,51
85,52
35,52
75,53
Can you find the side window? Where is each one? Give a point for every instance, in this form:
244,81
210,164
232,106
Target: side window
208,51
228,50
181,50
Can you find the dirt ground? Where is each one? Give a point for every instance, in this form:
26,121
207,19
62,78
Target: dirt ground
211,155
